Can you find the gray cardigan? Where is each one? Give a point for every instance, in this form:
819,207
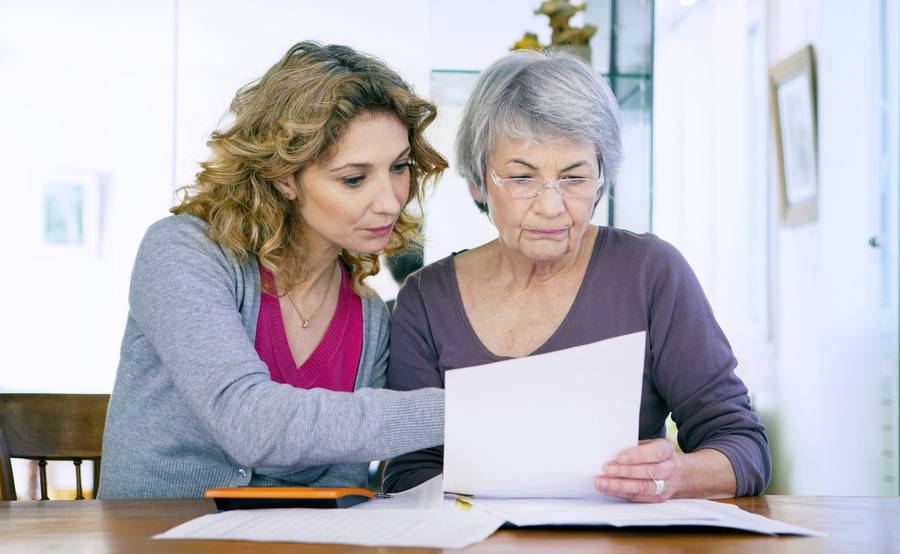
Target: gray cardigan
194,407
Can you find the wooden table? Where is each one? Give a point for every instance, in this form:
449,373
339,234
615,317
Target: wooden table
854,524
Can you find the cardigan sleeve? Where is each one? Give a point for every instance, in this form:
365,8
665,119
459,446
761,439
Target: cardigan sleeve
183,298
692,367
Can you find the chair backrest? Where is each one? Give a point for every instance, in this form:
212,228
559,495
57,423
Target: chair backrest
7,485
51,427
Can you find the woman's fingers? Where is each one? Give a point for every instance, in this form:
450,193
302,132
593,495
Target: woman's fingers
635,471
647,452
662,470
630,489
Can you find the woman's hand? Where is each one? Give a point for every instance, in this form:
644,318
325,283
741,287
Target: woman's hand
652,471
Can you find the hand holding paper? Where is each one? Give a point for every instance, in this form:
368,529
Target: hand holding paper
648,472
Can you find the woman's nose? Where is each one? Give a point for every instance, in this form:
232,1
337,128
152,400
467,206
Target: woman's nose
387,197
549,203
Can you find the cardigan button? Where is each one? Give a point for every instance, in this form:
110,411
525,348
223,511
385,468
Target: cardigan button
242,473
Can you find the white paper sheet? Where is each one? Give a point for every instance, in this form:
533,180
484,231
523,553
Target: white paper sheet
542,426
429,528
619,513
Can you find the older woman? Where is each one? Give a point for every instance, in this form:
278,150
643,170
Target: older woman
538,141
254,354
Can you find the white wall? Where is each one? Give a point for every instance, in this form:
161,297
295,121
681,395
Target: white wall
709,154
472,34
827,278
811,310
890,172
87,86
223,45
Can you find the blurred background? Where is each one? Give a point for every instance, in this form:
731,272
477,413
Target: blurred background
105,109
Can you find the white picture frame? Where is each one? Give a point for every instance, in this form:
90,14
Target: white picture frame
794,119
70,206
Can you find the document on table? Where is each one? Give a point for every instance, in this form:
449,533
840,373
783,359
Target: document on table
620,513
427,528
544,425
420,517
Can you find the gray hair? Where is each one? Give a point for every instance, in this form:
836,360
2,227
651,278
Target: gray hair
536,96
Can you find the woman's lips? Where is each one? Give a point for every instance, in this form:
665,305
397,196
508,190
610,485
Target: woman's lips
380,231
546,233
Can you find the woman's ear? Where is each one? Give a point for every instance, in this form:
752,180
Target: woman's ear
476,193
286,186
480,199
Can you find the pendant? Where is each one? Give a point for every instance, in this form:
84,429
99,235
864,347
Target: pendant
305,323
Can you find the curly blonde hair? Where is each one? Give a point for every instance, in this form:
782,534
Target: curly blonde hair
293,116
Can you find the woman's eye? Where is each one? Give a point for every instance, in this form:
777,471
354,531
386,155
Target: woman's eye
353,181
401,167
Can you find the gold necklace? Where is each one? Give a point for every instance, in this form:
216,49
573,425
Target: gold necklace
305,321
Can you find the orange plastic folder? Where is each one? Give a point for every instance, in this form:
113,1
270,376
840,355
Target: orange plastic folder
245,498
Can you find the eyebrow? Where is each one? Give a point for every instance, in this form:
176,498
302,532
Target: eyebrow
563,170
366,165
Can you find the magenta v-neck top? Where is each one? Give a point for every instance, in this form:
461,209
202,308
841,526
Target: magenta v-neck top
334,363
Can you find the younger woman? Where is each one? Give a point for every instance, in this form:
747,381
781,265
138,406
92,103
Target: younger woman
254,354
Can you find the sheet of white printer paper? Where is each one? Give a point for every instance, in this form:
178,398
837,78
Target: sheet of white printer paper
619,513
544,425
424,528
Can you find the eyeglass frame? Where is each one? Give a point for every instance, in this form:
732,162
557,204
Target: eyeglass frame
601,182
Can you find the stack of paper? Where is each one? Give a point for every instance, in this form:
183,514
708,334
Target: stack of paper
420,517
428,528
619,513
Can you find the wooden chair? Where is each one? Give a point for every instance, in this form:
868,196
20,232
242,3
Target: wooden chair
46,427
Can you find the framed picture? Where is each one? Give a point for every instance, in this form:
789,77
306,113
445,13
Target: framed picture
793,101
70,212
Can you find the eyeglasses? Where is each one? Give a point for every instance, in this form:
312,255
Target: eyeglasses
530,187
